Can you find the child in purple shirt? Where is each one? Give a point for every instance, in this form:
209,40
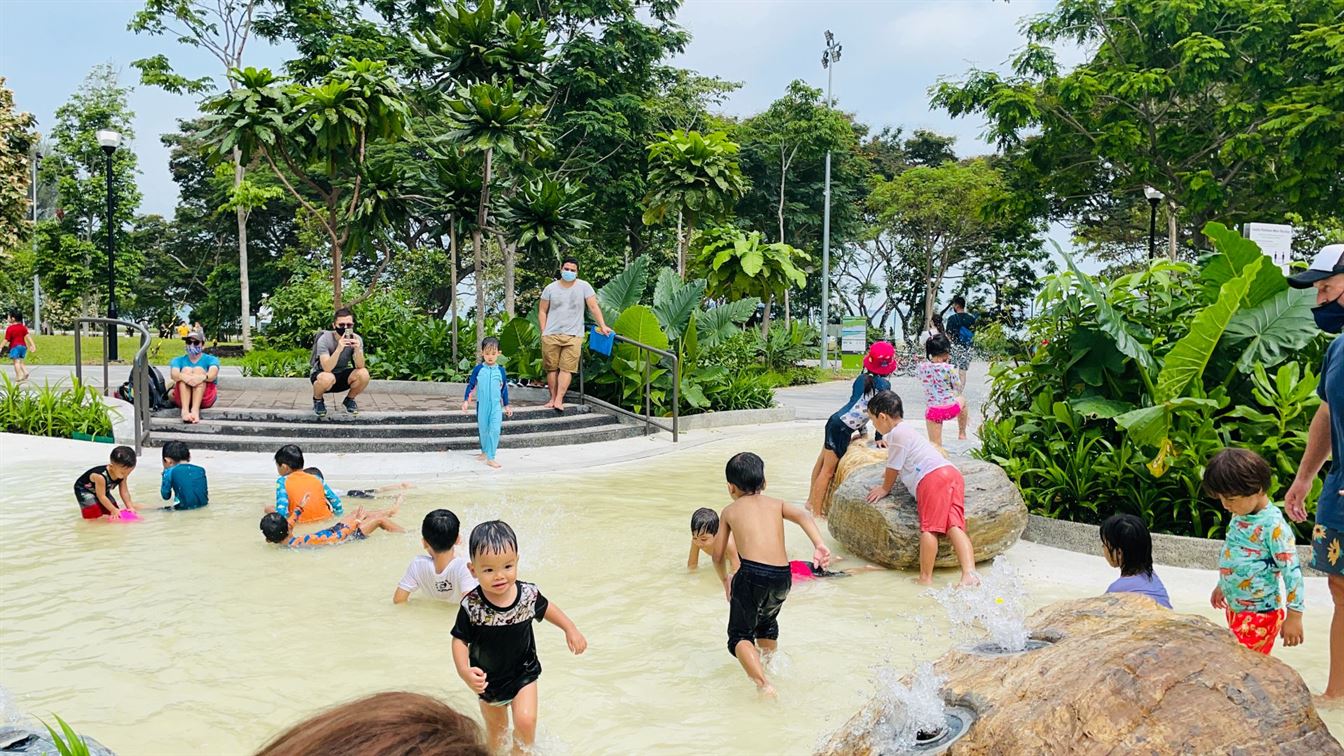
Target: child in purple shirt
1127,545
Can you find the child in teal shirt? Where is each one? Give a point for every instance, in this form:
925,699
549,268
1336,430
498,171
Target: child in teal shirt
181,479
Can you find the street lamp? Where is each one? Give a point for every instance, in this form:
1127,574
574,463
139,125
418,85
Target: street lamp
37,285
109,140
828,59
1154,197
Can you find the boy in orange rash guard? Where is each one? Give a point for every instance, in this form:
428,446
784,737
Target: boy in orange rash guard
294,485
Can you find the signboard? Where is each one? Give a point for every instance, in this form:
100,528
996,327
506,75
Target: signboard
1274,239
854,335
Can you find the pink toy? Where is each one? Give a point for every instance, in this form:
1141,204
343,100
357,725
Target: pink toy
126,515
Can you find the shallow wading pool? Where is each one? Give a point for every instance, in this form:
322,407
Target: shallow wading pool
186,633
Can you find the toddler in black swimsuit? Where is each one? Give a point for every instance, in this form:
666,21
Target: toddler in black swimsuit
494,649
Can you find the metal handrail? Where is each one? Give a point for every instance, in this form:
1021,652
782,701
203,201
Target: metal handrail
139,371
647,417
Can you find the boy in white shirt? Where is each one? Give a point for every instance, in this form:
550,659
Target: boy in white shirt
936,484
442,574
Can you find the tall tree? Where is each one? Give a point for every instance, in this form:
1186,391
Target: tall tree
697,176
17,138
223,29
736,265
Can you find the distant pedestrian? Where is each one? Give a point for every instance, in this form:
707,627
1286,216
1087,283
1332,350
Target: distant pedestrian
18,343
961,330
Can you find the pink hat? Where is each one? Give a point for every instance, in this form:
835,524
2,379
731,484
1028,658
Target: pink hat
881,359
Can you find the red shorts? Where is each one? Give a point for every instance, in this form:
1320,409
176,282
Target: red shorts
93,511
1256,630
207,401
941,500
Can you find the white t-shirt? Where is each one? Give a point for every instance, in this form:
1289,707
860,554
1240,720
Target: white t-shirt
924,337
450,585
912,455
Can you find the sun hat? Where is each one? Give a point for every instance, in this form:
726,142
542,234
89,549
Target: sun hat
1328,262
196,334
881,359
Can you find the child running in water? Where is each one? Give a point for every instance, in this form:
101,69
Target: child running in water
490,385
93,489
704,526
442,574
359,493
850,420
1127,545
757,591
942,390
1259,551
494,649
182,480
936,484
357,525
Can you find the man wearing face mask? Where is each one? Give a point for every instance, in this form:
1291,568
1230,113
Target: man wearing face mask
1326,440
561,320
337,364
193,375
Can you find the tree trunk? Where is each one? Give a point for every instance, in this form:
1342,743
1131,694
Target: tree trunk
681,255
510,258
1171,231
452,293
765,318
788,314
482,212
244,289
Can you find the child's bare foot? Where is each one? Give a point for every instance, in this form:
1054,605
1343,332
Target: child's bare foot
481,456
767,691
1323,701
961,436
969,580
492,463
922,580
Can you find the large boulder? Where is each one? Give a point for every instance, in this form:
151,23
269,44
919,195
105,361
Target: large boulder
1123,676
887,532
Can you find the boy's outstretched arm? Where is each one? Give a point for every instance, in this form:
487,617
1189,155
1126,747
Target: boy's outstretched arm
577,643
693,561
401,596
100,493
474,677
821,555
889,477
125,490
720,549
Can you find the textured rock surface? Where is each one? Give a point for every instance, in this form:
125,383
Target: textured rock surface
1124,676
888,532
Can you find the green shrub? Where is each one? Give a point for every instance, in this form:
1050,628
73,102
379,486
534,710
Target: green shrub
420,349
788,345
303,307
743,392
271,363
53,411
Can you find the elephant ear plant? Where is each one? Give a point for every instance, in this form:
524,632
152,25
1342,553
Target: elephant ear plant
1134,383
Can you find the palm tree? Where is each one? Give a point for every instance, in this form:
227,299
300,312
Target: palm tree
697,177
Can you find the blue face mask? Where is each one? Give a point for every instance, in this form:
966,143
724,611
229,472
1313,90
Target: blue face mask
195,350
1329,317
569,275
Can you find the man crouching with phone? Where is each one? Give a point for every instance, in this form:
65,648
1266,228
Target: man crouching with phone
338,364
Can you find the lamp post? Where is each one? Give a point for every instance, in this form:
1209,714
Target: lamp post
1154,197
37,286
109,140
828,59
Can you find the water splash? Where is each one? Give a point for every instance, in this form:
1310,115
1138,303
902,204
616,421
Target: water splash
997,607
907,712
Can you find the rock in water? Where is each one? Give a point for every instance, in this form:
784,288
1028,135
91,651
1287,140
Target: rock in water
1123,676
887,532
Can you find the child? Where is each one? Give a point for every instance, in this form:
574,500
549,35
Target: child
1127,545
757,590
492,398
704,526
936,484
802,572
942,390
296,485
182,479
18,343
358,493
93,489
442,574
493,646
850,421
1259,550
358,526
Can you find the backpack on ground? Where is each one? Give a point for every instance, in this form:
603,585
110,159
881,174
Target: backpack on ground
156,393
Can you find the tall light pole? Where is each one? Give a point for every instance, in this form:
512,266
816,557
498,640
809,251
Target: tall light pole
1154,197
109,140
828,59
37,286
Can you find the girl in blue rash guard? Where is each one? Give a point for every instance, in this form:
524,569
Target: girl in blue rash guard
879,363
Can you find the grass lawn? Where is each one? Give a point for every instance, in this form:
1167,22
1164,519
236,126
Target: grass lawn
60,350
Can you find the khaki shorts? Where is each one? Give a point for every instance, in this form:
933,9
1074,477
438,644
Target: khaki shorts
560,351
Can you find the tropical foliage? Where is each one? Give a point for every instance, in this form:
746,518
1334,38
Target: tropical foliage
1136,382
56,411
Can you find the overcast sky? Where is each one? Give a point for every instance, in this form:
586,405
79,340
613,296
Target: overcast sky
893,51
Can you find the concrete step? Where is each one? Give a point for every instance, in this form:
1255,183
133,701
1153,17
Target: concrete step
533,423
336,415
607,432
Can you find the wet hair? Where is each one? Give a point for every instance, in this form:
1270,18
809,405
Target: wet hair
291,456
704,520
1236,472
16,315
177,451
959,301
344,311
937,345
746,472
489,341
316,472
440,529
394,722
1128,537
124,456
274,527
492,537
886,403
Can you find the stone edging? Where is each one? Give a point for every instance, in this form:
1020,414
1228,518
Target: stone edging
1169,550
777,414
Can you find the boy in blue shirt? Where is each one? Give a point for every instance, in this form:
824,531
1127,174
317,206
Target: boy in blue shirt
181,479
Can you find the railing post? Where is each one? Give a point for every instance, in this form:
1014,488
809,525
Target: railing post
79,360
648,400
676,395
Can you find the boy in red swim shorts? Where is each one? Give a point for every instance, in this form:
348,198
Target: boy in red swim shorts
937,485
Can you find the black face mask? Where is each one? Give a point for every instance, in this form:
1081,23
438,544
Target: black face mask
1329,316
340,330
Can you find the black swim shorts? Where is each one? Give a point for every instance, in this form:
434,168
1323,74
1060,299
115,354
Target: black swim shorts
759,591
838,435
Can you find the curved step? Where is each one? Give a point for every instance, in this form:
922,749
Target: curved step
323,428
608,432
337,415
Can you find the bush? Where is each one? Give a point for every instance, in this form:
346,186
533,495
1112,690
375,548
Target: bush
272,363
745,391
52,410
1134,383
420,349
788,345
303,307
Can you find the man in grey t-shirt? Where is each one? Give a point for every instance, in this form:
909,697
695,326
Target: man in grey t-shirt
561,319
337,364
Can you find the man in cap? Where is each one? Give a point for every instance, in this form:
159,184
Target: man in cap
1326,439
193,375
